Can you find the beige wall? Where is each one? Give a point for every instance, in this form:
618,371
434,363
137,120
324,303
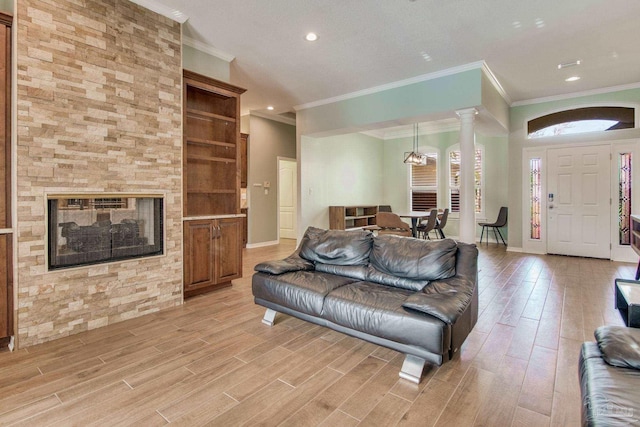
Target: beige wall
6,6
268,140
337,171
99,109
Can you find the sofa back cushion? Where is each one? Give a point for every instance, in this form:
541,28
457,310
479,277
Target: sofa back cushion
414,259
377,276
336,247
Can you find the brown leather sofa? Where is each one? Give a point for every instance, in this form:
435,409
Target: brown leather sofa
414,296
609,372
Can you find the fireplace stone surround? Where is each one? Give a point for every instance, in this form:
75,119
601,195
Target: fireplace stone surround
99,110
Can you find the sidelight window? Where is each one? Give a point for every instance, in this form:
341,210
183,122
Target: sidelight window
624,198
535,197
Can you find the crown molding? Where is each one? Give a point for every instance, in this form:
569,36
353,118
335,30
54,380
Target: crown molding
496,84
392,85
208,49
173,14
577,94
274,117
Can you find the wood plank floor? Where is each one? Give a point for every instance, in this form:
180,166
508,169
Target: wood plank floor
212,362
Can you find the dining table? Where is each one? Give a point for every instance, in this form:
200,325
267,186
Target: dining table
416,217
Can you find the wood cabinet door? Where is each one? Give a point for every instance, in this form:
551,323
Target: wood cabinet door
244,145
6,289
199,266
229,249
6,253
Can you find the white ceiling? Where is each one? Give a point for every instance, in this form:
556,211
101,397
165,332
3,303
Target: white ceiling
367,43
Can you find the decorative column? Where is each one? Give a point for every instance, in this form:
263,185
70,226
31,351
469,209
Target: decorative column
467,175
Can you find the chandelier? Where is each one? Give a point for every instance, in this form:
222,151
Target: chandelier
415,157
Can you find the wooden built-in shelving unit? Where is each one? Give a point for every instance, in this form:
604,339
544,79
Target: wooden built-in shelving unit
352,217
211,164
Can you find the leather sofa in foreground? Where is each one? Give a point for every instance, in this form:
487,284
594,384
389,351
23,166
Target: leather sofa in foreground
414,296
609,371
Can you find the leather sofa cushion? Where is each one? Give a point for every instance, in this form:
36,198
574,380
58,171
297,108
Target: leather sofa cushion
414,259
610,395
377,276
292,263
620,346
358,272
377,310
444,300
303,291
336,247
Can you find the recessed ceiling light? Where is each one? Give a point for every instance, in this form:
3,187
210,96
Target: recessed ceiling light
311,37
569,64
539,23
516,24
270,108
572,79
426,56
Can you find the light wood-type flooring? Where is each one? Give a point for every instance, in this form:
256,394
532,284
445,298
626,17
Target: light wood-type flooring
212,362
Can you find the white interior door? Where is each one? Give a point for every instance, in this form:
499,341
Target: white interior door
287,198
578,201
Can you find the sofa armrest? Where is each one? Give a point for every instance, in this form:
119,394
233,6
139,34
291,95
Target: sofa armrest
620,346
444,299
467,261
292,263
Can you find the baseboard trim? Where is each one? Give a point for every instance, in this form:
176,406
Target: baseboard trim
512,249
262,244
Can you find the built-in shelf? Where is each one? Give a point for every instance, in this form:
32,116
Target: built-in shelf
210,159
203,115
200,141
210,191
212,226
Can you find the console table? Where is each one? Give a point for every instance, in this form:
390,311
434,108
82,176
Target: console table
628,301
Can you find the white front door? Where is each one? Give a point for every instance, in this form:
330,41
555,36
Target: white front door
287,195
578,201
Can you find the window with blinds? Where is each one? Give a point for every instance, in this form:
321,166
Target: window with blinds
424,184
454,180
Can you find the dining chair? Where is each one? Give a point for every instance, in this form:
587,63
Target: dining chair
442,221
425,227
391,223
500,222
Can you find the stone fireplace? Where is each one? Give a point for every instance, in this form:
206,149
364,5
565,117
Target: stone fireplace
86,230
99,113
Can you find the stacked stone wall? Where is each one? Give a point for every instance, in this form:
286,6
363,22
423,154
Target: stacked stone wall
98,111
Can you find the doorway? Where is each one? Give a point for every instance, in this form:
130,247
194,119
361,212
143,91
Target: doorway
287,198
579,201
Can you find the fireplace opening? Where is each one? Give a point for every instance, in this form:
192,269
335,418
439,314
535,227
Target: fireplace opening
91,230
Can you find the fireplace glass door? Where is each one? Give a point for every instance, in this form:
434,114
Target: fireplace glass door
91,230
